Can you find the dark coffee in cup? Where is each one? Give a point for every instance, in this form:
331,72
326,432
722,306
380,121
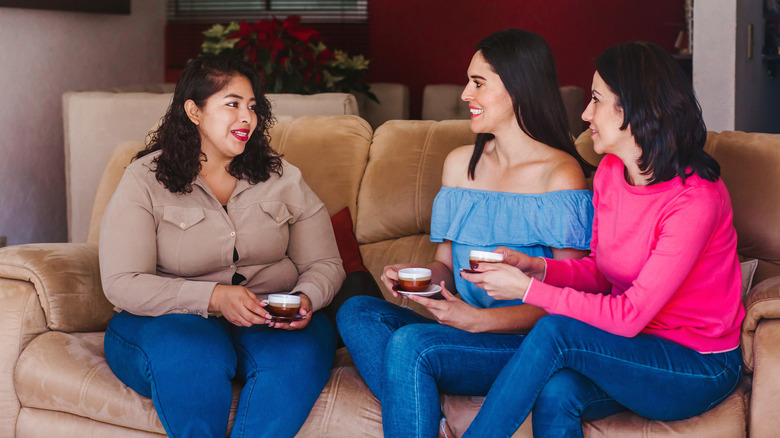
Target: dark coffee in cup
283,305
414,279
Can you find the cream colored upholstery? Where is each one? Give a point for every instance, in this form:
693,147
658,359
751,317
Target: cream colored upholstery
54,380
443,102
393,103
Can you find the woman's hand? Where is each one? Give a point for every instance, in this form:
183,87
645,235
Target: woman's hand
531,266
451,311
238,305
390,276
500,280
305,312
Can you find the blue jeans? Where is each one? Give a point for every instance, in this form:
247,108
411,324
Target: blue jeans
566,371
406,359
185,364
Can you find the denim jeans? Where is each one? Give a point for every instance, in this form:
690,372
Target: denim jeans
185,364
566,371
406,359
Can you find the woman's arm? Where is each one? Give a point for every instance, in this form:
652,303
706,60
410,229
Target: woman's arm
683,236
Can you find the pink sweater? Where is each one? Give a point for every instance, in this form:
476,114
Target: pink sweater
663,261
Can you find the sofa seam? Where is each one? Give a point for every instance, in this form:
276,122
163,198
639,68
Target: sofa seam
420,173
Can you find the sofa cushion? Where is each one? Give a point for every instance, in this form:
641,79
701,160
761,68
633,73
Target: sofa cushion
68,372
349,251
330,151
726,420
403,176
749,164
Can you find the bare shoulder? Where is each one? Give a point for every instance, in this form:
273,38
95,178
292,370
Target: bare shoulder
565,174
456,166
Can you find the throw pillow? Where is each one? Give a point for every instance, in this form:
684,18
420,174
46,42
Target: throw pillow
347,242
748,270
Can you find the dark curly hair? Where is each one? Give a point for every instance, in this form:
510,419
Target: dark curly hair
525,64
658,102
178,164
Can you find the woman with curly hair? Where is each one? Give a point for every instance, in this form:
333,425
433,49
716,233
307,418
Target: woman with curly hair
205,223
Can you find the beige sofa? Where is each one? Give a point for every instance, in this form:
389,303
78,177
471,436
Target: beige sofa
55,382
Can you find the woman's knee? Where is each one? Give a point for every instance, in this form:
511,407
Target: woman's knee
356,309
411,348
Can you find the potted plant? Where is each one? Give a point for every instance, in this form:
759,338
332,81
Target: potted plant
290,57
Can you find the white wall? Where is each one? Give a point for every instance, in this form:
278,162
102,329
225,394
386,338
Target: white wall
714,51
42,55
735,92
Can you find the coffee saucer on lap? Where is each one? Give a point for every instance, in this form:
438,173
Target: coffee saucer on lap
275,318
432,290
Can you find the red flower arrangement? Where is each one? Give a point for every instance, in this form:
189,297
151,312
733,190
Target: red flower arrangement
290,57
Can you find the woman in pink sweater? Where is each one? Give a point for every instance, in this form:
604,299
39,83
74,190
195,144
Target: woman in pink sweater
650,321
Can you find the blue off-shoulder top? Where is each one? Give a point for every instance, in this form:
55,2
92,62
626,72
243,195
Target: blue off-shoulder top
530,223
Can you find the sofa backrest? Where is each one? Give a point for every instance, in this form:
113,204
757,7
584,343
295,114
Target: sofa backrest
96,121
331,152
750,168
401,180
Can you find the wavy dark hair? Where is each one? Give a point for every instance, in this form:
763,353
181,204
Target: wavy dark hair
178,164
525,64
658,102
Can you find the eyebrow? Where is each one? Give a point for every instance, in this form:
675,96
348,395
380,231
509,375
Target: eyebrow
236,96
595,92
478,77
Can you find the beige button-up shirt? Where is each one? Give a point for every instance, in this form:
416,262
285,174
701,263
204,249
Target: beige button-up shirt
163,252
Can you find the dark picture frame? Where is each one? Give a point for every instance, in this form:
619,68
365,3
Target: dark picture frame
120,7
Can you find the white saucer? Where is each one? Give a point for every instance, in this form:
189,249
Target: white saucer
432,290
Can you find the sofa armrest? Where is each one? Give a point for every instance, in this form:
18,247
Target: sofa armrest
66,278
761,303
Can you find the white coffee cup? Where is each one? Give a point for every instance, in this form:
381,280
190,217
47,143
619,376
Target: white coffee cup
476,257
414,279
283,304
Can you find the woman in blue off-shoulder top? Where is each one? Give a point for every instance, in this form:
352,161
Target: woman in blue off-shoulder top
520,186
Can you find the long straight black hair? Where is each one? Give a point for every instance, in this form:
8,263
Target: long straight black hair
658,102
525,64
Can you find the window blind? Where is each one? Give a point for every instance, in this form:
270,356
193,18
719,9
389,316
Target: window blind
253,10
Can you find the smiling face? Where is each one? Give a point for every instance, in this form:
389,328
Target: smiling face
226,120
489,102
606,117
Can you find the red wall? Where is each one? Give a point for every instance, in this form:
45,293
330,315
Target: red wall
419,42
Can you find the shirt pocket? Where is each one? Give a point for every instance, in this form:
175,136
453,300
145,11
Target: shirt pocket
176,237
278,211
183,217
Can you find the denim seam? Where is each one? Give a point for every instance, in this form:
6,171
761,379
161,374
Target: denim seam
149,375
245,388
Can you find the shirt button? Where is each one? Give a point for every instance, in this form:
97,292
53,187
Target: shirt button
232,199
185,311
182,225
232,266
278,219
232,233
198,312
